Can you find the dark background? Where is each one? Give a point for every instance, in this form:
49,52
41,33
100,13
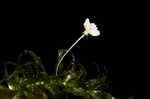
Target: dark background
44,32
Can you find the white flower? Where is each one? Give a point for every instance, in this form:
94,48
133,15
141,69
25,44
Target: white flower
90,28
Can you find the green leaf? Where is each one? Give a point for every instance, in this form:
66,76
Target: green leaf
35,58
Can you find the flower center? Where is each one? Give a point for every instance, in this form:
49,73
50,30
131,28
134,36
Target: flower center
89,29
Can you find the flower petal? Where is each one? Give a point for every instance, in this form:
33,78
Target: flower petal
87,24
93,26
95,33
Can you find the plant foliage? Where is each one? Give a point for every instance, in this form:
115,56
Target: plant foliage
29,80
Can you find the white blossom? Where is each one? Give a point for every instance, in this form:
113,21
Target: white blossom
90,28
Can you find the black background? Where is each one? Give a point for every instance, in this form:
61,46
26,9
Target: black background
44,31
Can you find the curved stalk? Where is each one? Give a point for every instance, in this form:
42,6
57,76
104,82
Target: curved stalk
57,67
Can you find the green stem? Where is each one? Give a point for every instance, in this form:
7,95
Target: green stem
67,52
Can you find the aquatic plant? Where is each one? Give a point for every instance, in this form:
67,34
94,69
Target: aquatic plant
29,80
